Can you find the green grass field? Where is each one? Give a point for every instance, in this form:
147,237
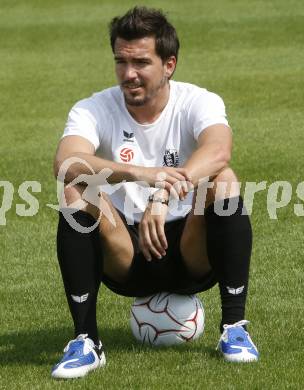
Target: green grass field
55,52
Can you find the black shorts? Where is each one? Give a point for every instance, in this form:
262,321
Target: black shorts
167,274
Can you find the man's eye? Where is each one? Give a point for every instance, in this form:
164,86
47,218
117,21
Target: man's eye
142,63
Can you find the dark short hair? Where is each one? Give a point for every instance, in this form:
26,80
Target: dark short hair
140,22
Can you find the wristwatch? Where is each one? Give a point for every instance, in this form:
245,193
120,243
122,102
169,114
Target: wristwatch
158,200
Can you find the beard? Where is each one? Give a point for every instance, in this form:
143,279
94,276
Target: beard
138,101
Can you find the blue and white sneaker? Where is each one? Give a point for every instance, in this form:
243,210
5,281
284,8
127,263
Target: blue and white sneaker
236,344
80,356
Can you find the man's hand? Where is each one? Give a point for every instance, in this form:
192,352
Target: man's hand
175,180
152,238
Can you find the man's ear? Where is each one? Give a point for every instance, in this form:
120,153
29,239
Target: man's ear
170,66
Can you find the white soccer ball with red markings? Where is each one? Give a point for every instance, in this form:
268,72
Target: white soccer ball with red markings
167,319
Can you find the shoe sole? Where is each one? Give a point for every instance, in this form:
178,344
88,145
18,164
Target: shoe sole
73,373
240,358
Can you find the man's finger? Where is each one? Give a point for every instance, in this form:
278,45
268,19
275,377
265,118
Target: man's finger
177,175
180,189
155,240
143,231
161,235
172,173
171,190
148,249
149,246
184,172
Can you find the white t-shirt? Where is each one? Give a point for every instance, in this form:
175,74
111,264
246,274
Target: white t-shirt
104,120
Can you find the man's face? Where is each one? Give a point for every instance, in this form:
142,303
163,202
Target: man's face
140,71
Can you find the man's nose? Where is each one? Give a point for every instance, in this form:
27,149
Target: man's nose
130,72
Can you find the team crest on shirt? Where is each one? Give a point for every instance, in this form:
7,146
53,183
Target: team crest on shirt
128,137
171,158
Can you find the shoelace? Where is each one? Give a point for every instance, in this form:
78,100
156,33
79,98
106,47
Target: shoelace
239,323
228,326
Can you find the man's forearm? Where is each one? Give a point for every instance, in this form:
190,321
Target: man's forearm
87,164
212,155
206,163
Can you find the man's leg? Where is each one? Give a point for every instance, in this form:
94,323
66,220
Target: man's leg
222,243
83,257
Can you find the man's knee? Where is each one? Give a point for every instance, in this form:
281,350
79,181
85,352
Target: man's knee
74,197
225,185
226,175
71,195
115,240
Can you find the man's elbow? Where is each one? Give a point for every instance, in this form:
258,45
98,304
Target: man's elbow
63,172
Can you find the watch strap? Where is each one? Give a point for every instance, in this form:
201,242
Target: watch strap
158,200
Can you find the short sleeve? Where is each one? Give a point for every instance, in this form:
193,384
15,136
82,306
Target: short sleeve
84,120
206,109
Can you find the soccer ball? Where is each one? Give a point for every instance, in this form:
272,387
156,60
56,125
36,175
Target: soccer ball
167,319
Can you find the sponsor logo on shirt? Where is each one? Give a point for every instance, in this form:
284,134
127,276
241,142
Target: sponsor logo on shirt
171,158
128,137
126,154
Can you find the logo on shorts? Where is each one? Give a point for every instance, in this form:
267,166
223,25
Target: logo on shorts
171,158
126,154
128,137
